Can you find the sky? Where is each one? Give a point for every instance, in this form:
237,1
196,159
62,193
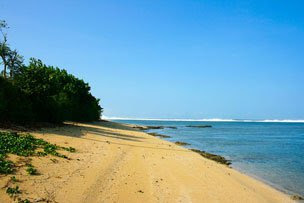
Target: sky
172,59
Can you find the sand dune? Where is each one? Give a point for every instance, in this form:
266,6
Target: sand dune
115,163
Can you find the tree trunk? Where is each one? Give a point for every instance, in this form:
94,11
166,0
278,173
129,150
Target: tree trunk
4,70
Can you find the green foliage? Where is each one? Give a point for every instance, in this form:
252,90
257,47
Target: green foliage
24,201
14,179
14,105
10,58
38,92
25,145
41,153
69,149
13,191
31,170
6,167
43,93
3,24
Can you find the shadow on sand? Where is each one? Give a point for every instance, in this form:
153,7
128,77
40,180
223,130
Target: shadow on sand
106,129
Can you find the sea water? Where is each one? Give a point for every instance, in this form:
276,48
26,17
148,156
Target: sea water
270,151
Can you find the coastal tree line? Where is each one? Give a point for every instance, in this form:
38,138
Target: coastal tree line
38,92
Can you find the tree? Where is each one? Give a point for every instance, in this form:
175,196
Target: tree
55,94
37,92
10,58
14,62
4,49
4,53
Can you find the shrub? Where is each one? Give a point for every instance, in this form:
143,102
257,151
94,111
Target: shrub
13,191
31,170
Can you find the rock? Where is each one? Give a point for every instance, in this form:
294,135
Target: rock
181,143
296,197
149,127
159,135
138,127
199,126
171,127
152,127
213,157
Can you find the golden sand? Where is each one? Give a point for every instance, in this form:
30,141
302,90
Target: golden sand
116,163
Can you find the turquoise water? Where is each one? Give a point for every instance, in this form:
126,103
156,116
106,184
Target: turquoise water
272,152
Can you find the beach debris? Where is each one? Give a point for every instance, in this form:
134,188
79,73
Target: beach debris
181,143
199,126
140,191
213,157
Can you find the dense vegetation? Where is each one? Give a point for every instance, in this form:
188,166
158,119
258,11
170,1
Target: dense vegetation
37,92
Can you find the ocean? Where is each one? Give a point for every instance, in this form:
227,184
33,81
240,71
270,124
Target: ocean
272,152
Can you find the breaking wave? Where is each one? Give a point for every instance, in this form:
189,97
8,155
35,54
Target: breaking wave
208,120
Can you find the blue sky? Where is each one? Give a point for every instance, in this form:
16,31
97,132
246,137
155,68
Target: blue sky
172,59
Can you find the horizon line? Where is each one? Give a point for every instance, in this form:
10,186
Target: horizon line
207,119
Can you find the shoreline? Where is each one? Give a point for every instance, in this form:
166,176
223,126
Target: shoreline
186,145
115,162
230,164
275,186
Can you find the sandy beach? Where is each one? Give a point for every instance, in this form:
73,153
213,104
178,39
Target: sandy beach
117,163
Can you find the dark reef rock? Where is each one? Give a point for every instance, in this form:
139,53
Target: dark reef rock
213,157
159,135
171,127
138,127
297,197
199,126
181,143
152,127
